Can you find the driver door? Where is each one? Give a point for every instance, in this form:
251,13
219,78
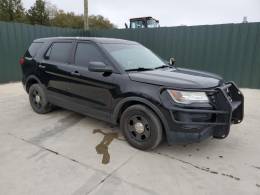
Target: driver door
91,91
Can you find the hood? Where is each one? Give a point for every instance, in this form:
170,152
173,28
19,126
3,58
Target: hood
178,78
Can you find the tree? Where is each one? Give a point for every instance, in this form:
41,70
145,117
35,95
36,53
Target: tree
51,9
71,20
11,10
99,22
38,13
62,19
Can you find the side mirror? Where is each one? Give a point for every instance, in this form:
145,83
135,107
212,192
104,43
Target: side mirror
172,61
126,26
99,67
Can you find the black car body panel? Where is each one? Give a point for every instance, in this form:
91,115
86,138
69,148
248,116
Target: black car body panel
105,96
178,78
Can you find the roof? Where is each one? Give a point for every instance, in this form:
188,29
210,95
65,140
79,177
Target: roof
94,39
143,18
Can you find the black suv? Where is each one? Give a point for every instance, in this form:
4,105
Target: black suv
122,82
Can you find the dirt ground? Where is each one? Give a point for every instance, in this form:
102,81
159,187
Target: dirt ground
60,153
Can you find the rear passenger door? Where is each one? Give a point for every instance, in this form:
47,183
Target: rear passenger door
56,69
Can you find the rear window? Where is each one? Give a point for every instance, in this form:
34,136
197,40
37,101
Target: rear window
60,52
33,49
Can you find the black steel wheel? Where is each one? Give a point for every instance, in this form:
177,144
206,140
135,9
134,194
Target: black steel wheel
38,100
141,127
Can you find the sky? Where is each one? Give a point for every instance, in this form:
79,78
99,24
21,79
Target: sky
169,12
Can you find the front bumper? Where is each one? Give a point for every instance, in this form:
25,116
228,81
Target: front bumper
194,124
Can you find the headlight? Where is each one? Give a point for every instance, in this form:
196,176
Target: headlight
188,97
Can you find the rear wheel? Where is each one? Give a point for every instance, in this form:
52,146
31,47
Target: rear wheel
38,100
141,127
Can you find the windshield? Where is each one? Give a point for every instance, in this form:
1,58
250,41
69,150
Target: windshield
152,23
137,24
133,56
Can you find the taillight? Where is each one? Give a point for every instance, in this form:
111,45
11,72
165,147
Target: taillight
21,60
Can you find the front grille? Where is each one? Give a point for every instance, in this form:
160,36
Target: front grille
227,106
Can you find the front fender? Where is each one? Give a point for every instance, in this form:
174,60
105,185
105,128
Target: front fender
136,100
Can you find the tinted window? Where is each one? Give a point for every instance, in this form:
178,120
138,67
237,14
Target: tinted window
60,52
33,49
86,53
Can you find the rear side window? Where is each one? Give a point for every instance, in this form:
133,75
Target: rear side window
87,52
60,52
33,49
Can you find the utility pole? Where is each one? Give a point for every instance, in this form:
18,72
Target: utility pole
85,14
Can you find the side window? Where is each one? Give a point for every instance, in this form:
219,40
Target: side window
33,49
86,53
59,52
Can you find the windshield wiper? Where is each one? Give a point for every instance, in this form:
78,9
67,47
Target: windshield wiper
163,66
139,69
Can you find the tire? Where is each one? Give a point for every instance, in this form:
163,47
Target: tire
141,127
38,100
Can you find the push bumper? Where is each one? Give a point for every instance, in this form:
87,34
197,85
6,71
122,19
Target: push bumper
195,124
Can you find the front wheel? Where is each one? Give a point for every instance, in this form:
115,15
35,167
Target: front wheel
141,127
38,100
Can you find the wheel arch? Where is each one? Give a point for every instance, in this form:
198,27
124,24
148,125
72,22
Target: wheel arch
32,79
129,101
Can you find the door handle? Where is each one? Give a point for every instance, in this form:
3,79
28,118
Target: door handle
75,73
41,66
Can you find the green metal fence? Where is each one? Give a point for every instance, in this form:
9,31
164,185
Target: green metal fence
232,50
15,38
